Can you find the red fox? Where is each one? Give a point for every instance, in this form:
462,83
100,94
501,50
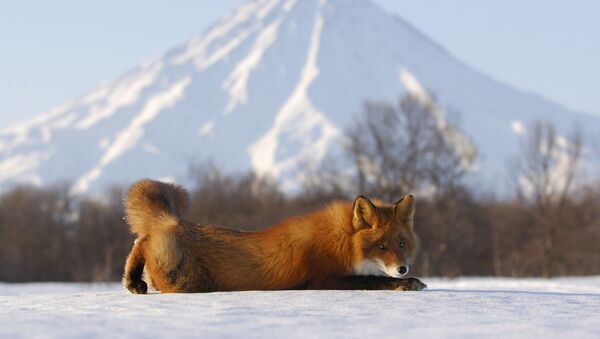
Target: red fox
346,245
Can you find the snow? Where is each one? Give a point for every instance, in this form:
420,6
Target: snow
237,83
517,127
197,46
413,86
269,6
125,93
23,128
22,165
132,134
151,149
465,307
206,129
298,116
289,4
200,50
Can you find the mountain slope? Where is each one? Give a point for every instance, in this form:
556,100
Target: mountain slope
270,87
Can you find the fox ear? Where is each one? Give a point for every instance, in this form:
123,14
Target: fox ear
404,210
363,213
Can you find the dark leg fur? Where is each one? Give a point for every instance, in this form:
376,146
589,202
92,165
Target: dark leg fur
368,283
134,269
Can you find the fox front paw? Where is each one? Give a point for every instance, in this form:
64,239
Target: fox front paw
137,287
410,284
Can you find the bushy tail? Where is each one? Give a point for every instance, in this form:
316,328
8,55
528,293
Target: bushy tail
152,206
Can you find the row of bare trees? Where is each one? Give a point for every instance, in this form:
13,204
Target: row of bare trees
549,225
406,148
47,236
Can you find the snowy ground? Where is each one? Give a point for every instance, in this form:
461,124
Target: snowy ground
466,307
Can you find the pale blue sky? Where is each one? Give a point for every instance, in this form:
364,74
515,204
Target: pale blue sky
52,51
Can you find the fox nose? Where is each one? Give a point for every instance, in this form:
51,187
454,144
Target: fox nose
403,270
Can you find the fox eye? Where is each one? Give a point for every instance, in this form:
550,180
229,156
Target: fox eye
381,246
402,244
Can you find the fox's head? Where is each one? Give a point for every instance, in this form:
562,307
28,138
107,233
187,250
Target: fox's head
384,240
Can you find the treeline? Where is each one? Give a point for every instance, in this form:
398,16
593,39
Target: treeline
549,225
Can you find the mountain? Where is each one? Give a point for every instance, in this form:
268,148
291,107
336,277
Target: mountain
269,87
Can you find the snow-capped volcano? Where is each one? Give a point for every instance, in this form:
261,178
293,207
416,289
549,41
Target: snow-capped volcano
270,87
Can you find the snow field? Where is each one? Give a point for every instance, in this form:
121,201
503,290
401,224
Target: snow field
466,307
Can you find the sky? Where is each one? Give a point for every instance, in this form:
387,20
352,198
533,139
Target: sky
53,51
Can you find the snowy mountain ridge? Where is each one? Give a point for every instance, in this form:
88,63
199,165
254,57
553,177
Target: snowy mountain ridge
270,87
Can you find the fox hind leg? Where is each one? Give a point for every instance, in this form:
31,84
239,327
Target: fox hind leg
134,269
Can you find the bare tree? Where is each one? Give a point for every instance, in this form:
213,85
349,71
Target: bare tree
412,147
100,239
545,173
548,164
33,227
245,201
405,148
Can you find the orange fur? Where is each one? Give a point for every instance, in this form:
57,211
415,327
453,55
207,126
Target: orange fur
318,250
